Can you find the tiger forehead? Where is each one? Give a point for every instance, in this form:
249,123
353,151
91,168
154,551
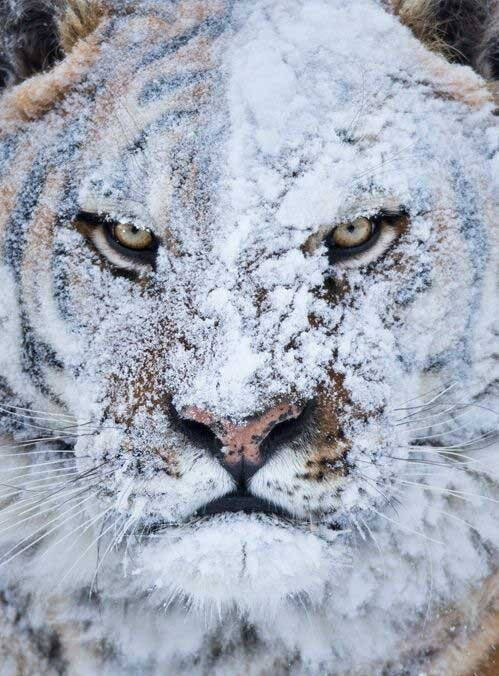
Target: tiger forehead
235,122
180,138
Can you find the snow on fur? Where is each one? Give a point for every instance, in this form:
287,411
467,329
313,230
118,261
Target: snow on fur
241,145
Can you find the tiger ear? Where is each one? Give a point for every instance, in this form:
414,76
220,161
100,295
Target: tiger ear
28,38
35,34
465,31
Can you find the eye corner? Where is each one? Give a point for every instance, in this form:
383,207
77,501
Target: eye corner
391,215
87,218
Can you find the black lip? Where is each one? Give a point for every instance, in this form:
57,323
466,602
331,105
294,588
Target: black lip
241,502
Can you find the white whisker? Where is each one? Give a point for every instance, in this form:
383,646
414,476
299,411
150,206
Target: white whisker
41,481
34,503
442,434
47,473
406,421
405,528
451,455
453,516
92,544
35,464
450,491
374,539
430,401
439,424
33,410
489,435
27,416
5,561
37,440
23,454
47,487
114,541
40,512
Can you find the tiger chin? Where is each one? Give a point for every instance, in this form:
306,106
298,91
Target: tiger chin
248,363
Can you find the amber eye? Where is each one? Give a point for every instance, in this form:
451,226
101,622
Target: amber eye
354,237
129,243
352,234
131,237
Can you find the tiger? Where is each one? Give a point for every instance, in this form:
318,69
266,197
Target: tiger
248,344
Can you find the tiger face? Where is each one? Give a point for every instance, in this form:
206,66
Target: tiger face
243,244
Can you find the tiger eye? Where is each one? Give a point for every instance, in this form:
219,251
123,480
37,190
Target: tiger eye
352,234
132,237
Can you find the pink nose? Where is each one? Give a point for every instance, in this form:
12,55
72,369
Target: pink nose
242,453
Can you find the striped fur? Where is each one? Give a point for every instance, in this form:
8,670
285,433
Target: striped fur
152,113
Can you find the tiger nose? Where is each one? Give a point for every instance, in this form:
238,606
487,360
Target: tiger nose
242,449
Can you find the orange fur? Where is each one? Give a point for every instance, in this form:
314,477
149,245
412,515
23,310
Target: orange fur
36,96
77,20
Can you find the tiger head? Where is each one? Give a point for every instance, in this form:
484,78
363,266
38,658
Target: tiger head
243,243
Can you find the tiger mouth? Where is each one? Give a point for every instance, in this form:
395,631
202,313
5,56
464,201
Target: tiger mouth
241,501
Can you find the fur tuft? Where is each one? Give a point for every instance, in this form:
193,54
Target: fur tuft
465,31
77,20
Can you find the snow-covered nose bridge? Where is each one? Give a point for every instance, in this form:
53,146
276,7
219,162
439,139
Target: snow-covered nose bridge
242,454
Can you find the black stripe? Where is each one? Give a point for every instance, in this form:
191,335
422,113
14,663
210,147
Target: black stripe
474,234
171,119
60,280
165,122
459,355
35,353
32,351
35,356
416,284
211,27
17,226
8,146
157,88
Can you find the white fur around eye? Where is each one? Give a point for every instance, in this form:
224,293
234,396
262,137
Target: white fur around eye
101,244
